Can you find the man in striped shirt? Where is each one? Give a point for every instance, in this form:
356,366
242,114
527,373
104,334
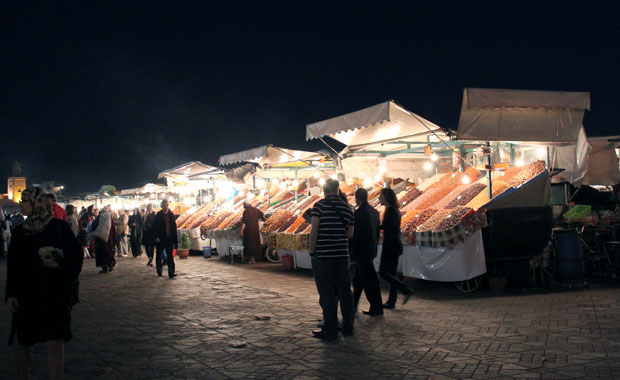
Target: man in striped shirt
332,226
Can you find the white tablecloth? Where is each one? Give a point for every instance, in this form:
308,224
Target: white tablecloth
463,261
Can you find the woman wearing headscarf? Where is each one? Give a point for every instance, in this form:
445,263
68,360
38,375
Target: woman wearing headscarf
43,266
392,247
148,238
135,233
104,235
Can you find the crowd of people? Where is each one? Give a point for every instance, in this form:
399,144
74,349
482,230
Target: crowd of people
45,247
107,235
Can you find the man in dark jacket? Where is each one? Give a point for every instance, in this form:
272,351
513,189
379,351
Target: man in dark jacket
165,238
363,251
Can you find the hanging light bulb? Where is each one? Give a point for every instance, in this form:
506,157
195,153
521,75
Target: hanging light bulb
367,182
541,152
466,180
428,166
295,183
322,181
316,175
520,162
378,178
434,157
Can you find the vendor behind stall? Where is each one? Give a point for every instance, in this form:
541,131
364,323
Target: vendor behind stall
250,232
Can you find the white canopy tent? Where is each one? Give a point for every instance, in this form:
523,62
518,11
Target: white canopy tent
372,126
383,130
268,155
519,115
275,161
184,171
549,118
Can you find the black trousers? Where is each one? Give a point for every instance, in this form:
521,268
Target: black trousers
334,285
159,255
136,249
150,251
387,271
365,278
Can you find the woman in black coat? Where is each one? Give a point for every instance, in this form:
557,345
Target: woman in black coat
148,237
392,247
43,265
135,233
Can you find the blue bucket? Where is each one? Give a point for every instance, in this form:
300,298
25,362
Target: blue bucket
569,255
206,252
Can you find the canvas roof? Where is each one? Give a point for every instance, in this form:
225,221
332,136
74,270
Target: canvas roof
551,117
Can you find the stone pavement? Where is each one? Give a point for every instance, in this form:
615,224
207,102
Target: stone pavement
133,325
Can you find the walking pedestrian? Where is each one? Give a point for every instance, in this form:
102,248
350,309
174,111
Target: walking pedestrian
16,220
332,226
72,220
250,231
148,238
104,234
363,250
122,231
165,238
43,266
83,224
135,233
58,212
5,233
392,248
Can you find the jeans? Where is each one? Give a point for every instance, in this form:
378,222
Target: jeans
334,285
122,245
159,256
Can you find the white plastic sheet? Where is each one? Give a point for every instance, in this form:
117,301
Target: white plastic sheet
573,159
223,244
462,262
603,162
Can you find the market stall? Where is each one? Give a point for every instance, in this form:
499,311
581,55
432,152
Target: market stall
535,125
457,181
275,180
190,186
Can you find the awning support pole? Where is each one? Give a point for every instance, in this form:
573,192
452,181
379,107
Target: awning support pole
296,187
489,186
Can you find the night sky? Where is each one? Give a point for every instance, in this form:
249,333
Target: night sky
105,92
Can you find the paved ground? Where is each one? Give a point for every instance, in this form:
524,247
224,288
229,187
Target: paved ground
133,325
